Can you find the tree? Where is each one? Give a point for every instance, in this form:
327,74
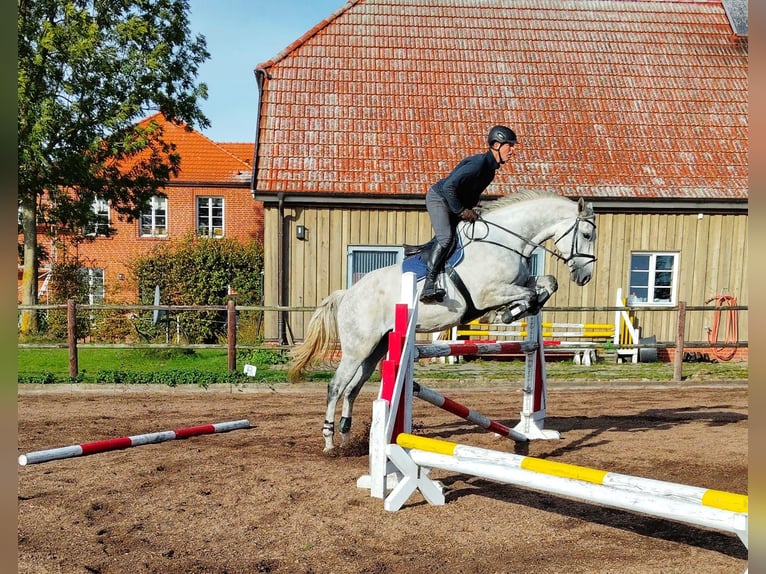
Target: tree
88,72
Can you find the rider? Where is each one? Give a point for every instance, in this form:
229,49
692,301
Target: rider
453,198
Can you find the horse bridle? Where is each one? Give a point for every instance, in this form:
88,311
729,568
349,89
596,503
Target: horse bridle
574,228
573,252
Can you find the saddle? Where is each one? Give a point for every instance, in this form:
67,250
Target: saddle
425,248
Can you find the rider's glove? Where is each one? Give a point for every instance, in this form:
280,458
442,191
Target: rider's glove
469,215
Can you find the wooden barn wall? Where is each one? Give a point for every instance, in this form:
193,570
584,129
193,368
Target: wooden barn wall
713,259
318,265
713,255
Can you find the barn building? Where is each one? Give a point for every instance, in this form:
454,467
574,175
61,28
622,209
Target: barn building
639,107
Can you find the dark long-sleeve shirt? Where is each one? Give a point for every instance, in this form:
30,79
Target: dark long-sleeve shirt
463,187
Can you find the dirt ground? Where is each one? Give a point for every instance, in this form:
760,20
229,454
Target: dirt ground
266,499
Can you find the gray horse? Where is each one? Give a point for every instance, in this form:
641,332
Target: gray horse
493,274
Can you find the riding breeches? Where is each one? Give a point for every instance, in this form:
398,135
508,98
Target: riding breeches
442,220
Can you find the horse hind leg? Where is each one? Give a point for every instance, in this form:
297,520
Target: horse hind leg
365,371
345,373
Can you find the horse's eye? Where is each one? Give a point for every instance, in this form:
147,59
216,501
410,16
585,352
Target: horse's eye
587,236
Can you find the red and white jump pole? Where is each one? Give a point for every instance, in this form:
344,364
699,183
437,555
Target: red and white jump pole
127,442
443,349
392,411
438,400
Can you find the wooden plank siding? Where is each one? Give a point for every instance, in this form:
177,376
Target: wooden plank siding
713,255
319,265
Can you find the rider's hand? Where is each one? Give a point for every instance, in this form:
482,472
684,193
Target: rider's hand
469,215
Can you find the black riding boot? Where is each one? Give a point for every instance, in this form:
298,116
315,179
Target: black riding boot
431,292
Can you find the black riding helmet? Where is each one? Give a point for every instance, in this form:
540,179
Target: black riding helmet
501,134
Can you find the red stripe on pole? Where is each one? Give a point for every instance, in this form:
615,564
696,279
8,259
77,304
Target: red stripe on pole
194,431
539,358
104,445
455,408
498,428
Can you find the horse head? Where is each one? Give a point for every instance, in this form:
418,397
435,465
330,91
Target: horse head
576,242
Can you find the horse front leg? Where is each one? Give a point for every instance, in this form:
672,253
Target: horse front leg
539,291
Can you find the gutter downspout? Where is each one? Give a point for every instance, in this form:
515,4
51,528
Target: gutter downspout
281,269
261,75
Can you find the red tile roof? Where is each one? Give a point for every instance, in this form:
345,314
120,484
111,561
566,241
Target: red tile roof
203,160
610,99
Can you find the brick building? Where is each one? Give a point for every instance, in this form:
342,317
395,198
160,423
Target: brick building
210,196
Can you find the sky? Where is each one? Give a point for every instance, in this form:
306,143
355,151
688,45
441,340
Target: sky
241,34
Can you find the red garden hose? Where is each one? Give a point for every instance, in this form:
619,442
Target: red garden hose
732,329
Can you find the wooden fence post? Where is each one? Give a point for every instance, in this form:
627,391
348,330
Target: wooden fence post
231,319
71,329
678,360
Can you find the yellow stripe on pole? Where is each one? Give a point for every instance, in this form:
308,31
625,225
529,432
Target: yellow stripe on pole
725,500
434,445
564,470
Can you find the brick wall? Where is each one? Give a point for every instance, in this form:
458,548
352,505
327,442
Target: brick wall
243,220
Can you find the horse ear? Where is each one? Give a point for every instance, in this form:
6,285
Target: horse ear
580,205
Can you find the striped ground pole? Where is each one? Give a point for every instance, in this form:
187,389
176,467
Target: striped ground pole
704,496
464,412
87,448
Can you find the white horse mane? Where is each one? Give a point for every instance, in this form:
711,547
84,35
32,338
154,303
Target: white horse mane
523,195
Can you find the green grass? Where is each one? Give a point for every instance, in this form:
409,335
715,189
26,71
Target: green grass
206,366
56,361
605,369
203,366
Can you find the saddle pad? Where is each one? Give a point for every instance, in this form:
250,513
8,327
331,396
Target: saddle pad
414,264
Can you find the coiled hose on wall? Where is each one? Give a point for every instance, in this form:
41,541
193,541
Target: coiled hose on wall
731,334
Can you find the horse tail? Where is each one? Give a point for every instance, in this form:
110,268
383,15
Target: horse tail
321,333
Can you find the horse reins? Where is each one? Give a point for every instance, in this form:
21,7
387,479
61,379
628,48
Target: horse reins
572,229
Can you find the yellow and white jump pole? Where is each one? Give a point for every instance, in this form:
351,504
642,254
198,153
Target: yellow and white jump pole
714,509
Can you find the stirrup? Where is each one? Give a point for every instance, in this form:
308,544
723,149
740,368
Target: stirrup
435,296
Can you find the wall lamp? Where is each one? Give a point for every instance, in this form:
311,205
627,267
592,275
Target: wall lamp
301,232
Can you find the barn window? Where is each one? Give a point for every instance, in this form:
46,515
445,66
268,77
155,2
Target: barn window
210,216
365,258
154,219
653,278
537,262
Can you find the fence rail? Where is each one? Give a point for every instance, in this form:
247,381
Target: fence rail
232,311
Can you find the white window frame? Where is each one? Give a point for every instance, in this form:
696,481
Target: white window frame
392,255
100,208
154,223
635,288
206,216
94,278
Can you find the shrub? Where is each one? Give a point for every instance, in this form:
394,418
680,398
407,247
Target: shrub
201,271
264,357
